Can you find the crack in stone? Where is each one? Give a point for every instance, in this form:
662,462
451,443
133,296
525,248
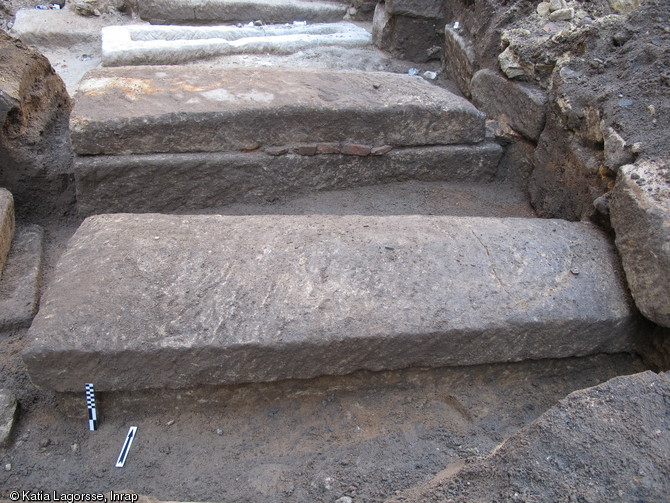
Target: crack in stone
492,263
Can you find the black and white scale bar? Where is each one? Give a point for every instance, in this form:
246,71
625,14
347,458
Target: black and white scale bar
126,447
90,403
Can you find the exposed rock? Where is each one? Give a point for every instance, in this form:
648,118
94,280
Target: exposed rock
640,213
6,224
606,443
522,106
35,154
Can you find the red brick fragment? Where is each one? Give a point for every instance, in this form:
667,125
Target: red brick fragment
307,149
328,148
356,149
384,149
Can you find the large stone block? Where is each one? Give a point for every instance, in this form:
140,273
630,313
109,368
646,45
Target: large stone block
522,106
173,182
240,11
142,301
640,215
168,45
6,225
144,110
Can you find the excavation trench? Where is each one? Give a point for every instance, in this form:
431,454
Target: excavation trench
396,433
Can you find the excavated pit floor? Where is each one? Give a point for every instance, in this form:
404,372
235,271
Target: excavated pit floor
365,435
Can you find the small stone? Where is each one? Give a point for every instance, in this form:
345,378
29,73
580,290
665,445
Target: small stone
356,149
45,443
75,447
276,151
258,22
543,8
575,271
352,11
328,148
170,422
562,14
219,431
376,85
306,149
384,149
429,75
555,5
8,467
344,499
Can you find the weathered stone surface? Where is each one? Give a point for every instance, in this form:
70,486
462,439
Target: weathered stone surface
459,59
35,154
6,226
407,37
190,109
606,443
522,106
20,283
8,408
640,215
167,45
431,9
170,182
142,301
234,11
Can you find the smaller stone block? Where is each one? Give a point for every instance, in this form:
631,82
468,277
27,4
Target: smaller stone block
520,105
19,285
8,409
6,225
459,59
640,212
201,12
429,9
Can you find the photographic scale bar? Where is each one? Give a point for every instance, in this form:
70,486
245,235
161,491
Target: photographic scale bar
126,447
90,403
